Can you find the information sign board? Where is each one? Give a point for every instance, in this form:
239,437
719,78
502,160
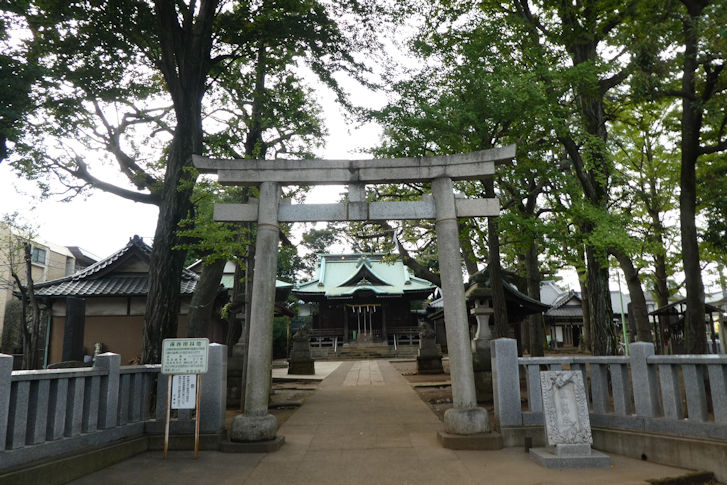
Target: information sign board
184,391
185,355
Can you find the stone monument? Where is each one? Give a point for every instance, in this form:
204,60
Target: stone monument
429,357
300,361
567,424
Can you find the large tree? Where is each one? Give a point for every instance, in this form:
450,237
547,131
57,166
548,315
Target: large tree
683,59
702,92
546,60
128,78
645,197
465,96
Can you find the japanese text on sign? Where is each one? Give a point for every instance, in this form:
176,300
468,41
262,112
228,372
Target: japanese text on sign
184,391
184,355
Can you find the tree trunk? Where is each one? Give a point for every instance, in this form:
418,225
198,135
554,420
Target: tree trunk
535,325
166,262
603,336
184,63
691,124
205,294
468,254
585,307
499,306
31,314
254,144
636,292
661,281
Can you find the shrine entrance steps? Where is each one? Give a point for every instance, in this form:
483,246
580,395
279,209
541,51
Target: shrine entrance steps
365,351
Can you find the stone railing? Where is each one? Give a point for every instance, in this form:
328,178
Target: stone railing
666,409
642,392
44,413
403,336
326,337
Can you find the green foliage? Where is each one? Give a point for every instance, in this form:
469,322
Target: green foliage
106,88
208,240
11,341
289,264
712,175
318,241
473,89
280,337
16,81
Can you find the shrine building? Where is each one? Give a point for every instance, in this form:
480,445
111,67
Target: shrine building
363,296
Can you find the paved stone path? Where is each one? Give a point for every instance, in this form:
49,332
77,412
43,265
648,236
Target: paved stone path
365,425
364,373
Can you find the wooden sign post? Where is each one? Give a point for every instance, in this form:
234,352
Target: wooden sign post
183,359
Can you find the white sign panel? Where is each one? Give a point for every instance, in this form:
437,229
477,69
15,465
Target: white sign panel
185,355
184,391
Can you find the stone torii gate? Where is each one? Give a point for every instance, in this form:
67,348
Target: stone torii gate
465,418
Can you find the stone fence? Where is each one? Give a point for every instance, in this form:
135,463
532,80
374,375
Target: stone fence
675,399
45,413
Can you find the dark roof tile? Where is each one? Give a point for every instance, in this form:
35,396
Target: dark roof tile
99,279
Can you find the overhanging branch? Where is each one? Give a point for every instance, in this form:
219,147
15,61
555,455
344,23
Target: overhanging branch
81,172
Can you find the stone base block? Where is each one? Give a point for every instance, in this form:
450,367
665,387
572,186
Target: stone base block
564,450
547,458
466,421
305,367
477,441
429,365
253,428
252,446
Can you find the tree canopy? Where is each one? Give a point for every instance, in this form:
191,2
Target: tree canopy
617,108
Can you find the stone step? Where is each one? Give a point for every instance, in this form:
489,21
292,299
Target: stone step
365,352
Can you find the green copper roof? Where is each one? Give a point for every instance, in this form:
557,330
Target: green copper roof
339,276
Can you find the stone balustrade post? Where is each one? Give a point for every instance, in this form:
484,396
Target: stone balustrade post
108,405
506,382
214,391
643,380
161,396
6,370
718,389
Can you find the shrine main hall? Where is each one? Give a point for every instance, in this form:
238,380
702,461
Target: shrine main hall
363,296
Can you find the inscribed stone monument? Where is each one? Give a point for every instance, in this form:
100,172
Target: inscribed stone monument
567,424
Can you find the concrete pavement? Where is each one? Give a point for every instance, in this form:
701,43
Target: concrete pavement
365,425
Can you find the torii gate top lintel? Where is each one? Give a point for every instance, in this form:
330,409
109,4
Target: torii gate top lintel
459,166
356,174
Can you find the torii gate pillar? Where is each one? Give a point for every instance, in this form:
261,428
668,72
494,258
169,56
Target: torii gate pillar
257,424
465,417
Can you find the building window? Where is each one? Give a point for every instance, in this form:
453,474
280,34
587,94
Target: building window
70,265
38,256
